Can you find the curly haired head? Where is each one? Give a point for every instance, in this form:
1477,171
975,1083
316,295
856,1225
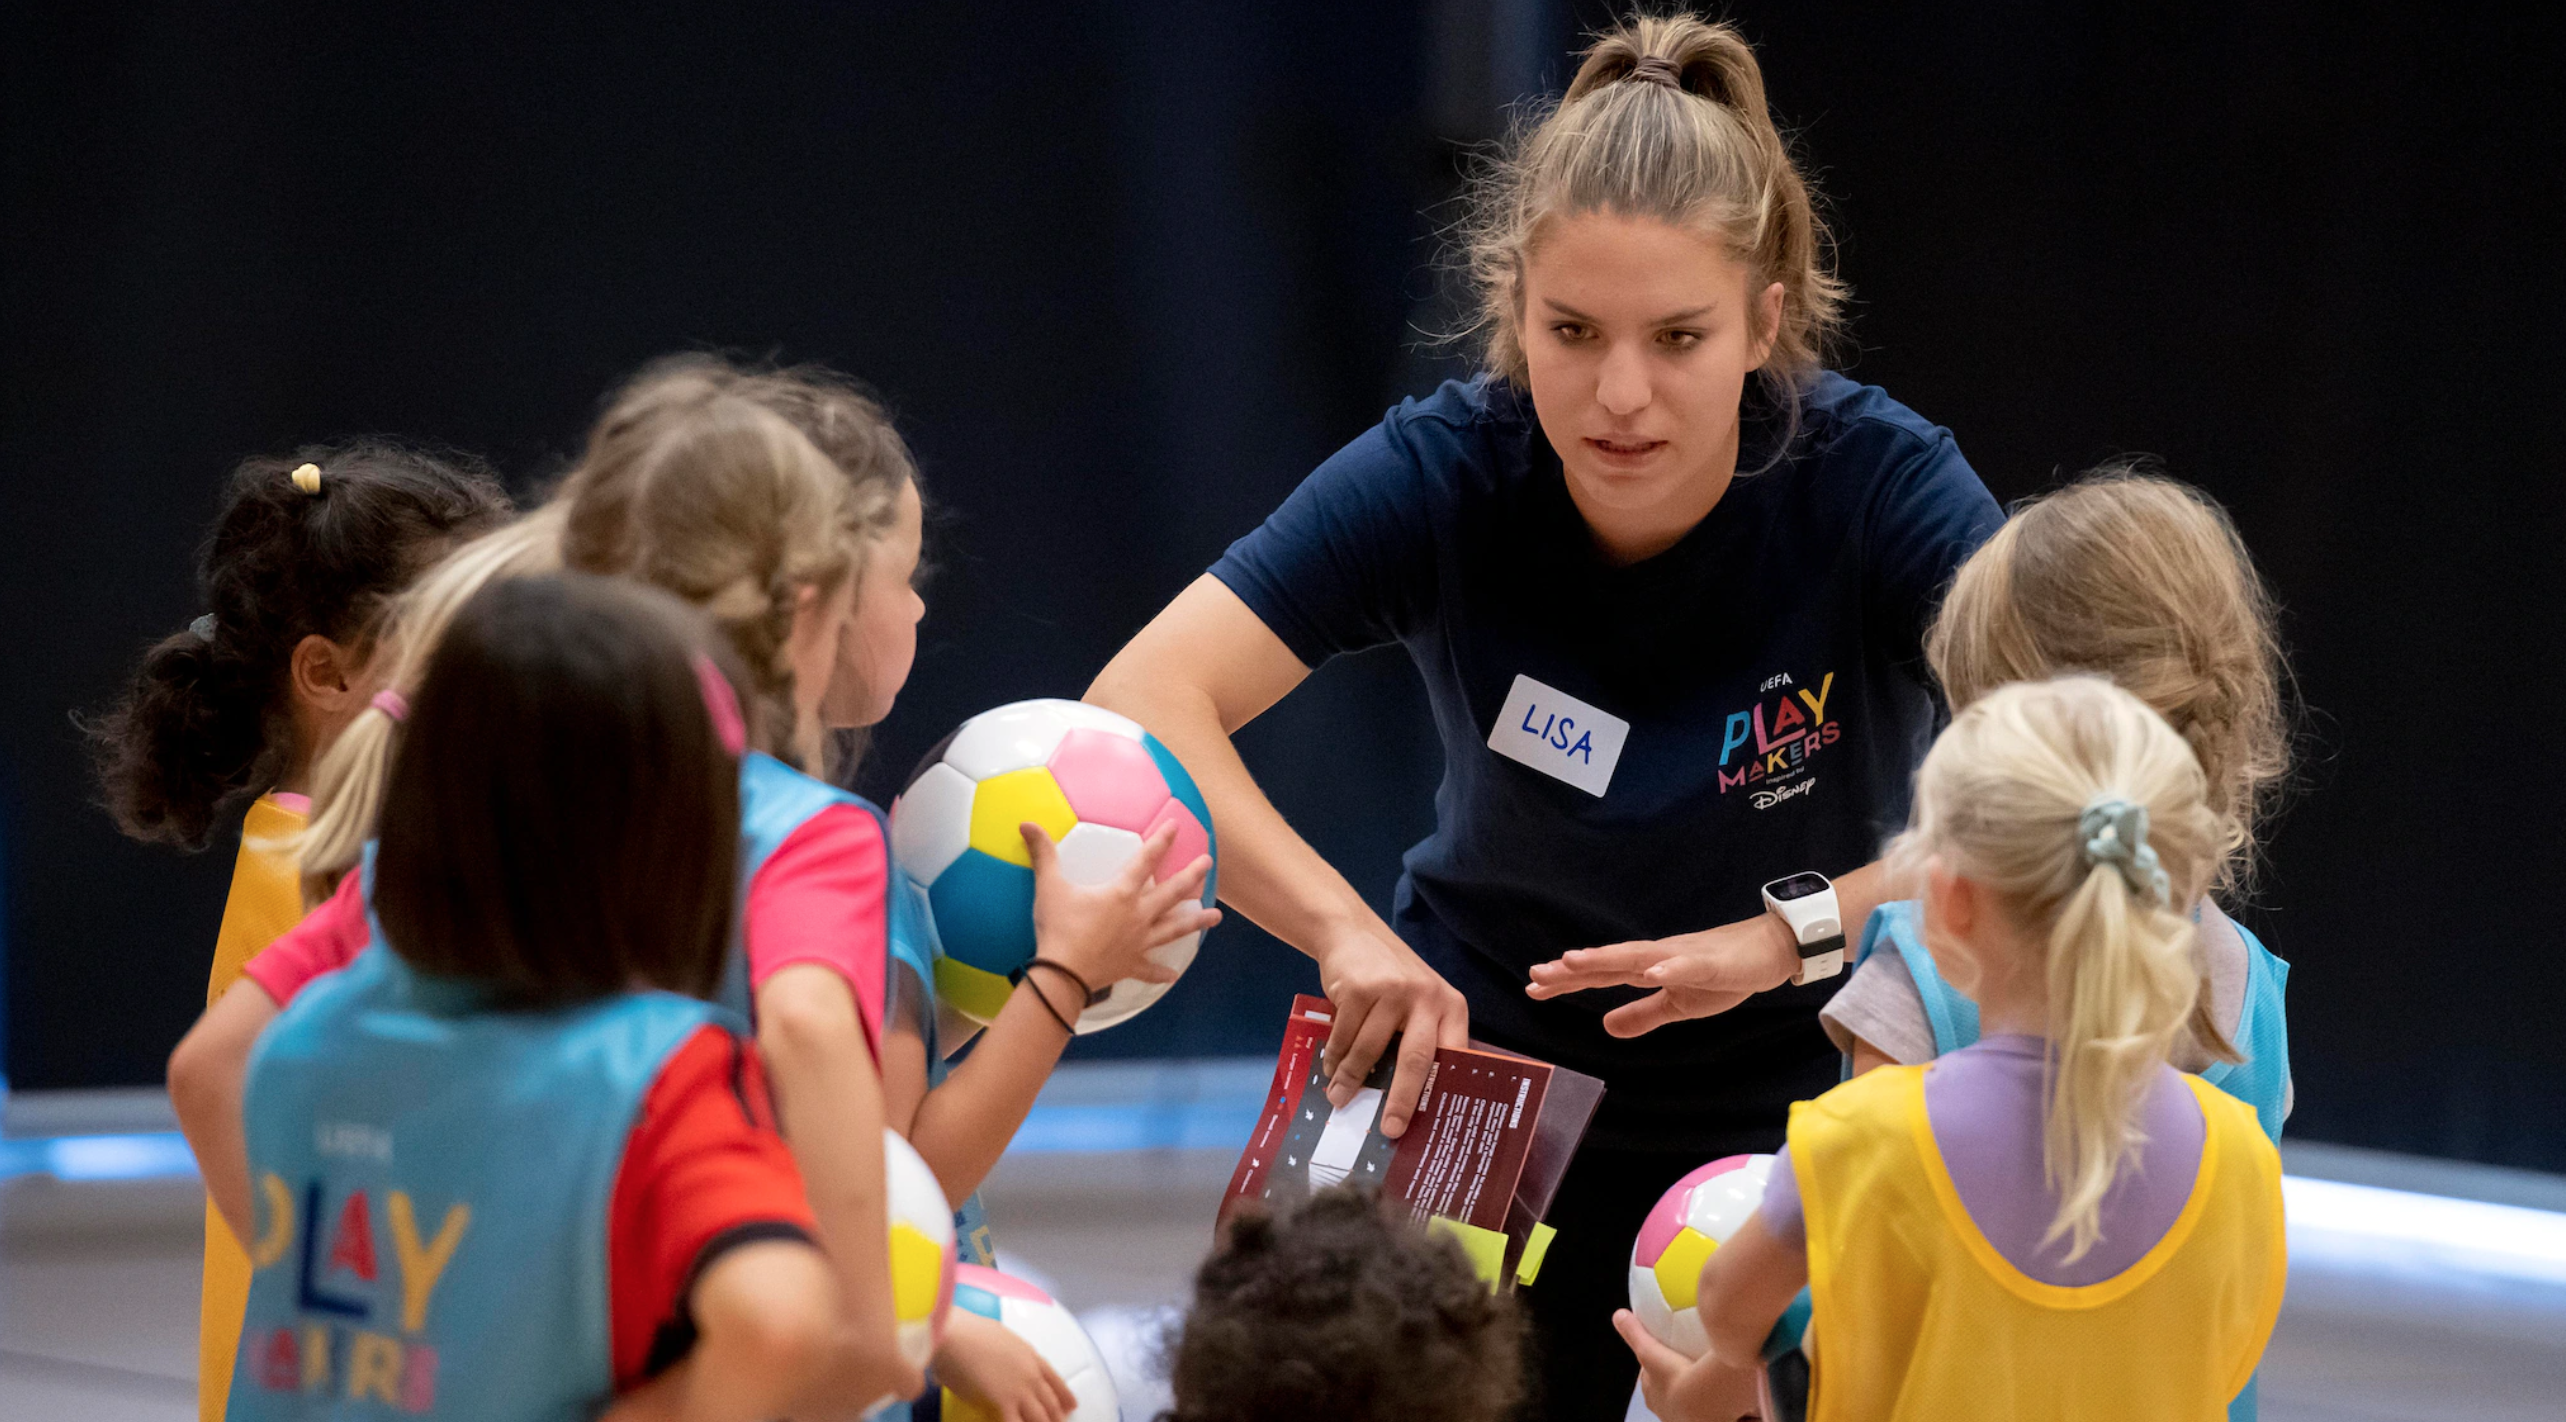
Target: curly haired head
1342,1310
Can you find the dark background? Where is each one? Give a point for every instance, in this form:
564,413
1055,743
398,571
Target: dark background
1127,273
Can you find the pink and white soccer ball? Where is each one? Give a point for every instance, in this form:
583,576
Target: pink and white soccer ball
1096,782
1054,1332
1690,1222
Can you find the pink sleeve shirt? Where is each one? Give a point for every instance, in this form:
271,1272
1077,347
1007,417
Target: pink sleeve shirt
819,898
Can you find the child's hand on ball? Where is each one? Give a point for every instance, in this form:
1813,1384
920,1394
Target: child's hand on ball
988,1366
1104,933
1681,1389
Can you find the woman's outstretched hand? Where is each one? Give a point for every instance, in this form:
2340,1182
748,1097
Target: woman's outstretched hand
1380,988
1694,974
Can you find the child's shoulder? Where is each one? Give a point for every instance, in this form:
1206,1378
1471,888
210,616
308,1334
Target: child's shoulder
776,800
1882,1095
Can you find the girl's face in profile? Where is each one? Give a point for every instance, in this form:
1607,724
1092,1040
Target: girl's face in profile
879,642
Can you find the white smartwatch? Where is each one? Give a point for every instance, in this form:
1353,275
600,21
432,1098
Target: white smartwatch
1806,905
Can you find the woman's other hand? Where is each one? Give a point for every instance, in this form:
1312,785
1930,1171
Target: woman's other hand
1694,974
1381,989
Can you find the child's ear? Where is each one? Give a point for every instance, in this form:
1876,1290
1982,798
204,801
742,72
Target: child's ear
1952,904
324,676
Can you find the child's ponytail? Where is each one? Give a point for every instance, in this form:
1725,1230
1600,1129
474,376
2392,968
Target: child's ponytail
347,785
310,545
2085,812
2122,983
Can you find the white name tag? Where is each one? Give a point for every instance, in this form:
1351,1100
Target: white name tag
1559,735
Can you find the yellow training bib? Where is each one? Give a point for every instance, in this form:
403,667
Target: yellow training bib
266,900
1918,1318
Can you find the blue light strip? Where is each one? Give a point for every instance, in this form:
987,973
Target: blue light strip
148,1155
2332,1223
2379,1231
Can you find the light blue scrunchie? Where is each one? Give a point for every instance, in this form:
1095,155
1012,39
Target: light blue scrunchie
2115,833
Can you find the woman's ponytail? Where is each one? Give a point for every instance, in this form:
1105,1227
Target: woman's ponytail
2085,812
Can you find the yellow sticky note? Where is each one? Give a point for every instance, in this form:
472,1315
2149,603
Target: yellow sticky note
1536,1249
1486,1247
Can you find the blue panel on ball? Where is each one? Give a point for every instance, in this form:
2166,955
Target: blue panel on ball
972,1299
984,910
1182,786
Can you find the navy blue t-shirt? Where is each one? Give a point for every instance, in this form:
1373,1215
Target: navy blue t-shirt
1769,668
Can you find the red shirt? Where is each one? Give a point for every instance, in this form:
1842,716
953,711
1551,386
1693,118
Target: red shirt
704,1170
819,898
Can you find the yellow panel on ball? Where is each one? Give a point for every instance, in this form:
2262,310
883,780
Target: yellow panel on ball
1679,1269
917,1269
1002,802
975,994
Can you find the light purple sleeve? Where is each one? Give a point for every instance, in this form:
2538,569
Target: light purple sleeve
1781,1208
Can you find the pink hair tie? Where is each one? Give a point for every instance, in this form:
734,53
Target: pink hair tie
723,705
392,703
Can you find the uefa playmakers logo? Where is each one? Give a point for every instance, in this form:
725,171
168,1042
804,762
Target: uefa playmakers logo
1767,749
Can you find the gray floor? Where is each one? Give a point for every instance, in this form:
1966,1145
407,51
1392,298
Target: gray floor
98,1291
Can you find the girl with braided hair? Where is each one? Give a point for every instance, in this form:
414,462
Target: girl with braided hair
771,502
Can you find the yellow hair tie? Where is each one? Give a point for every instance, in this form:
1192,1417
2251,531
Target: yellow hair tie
307,477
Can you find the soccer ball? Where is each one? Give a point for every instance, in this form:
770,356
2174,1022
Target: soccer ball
1096,781
1035,1317
1689,1222
922,1262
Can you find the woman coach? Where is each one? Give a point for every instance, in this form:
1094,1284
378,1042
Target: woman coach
1666,580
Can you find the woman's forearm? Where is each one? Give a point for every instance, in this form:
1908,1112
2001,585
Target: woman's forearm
1201,670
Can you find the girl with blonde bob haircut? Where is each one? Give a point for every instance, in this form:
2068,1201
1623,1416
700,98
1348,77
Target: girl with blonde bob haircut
2055,1205
1660,571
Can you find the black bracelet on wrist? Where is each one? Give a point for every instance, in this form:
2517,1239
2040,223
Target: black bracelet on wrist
1086,993
1026,979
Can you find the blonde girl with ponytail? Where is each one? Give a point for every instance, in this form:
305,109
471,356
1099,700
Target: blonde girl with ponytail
2054,1206
1665,577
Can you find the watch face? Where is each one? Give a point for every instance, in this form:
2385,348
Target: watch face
1798,886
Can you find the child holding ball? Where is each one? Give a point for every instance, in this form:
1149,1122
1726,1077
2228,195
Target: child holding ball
700,475
2056,1204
